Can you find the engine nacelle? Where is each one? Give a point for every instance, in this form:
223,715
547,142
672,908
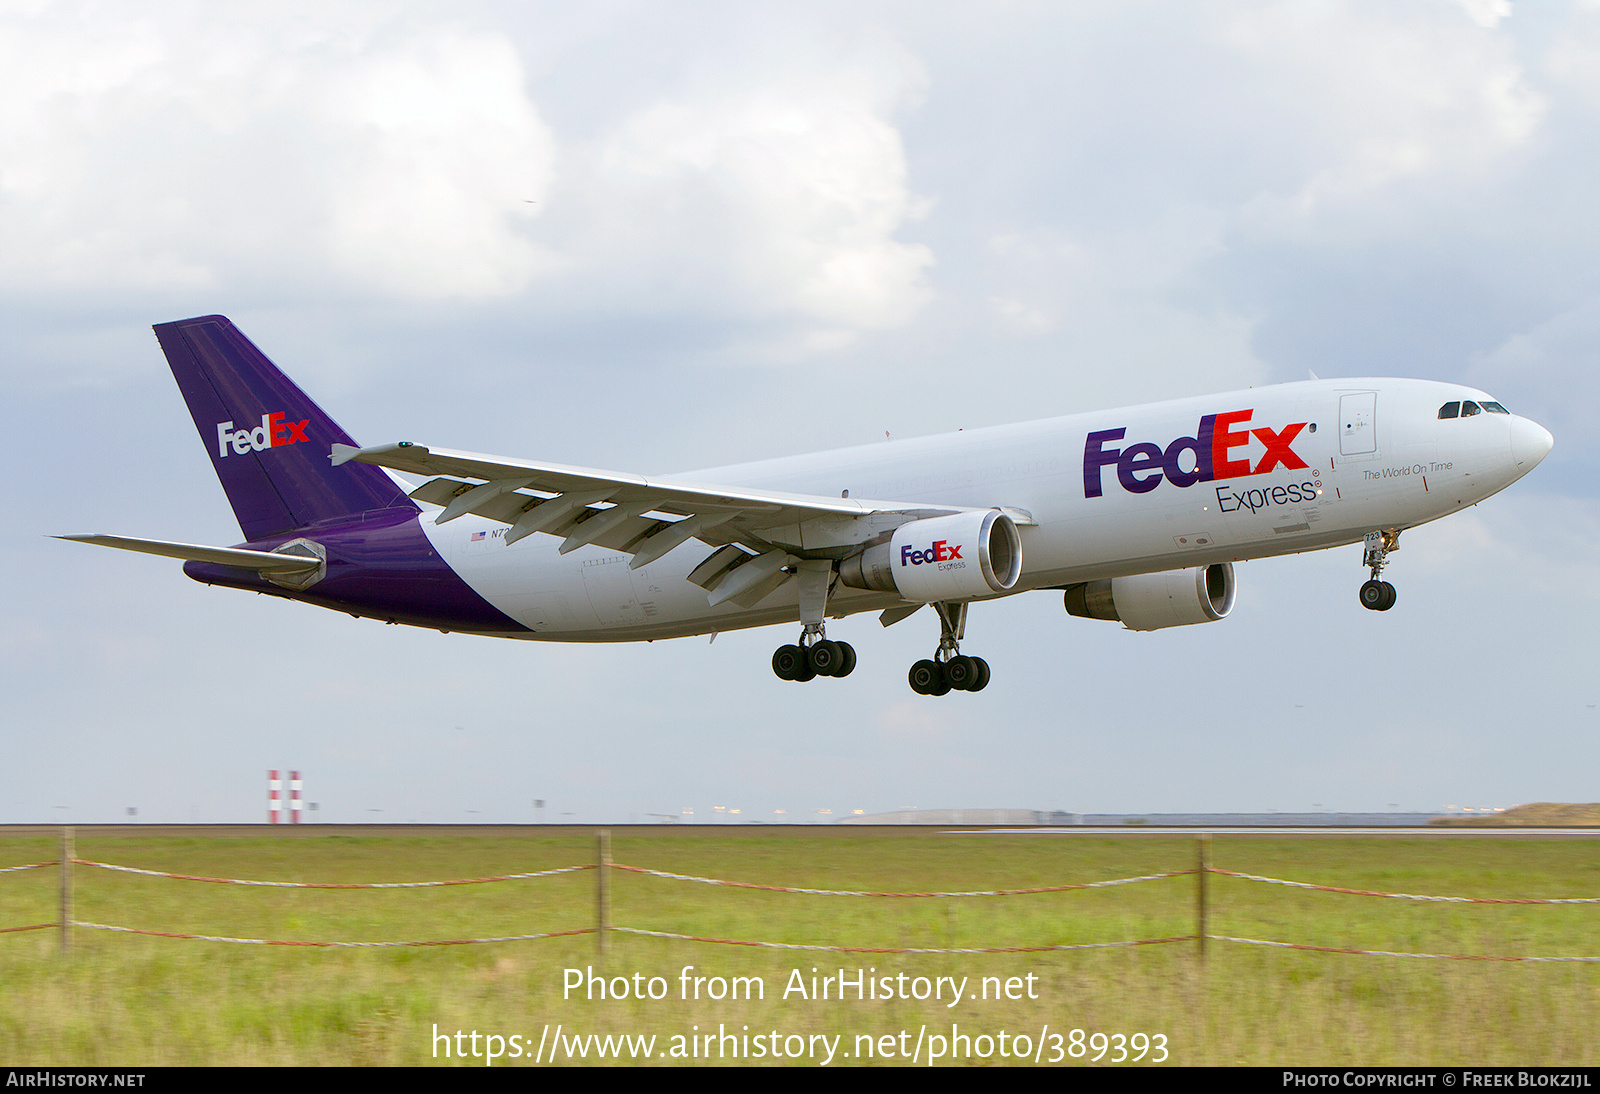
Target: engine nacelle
942,558
1148,602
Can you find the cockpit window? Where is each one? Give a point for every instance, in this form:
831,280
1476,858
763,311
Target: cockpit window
1466,408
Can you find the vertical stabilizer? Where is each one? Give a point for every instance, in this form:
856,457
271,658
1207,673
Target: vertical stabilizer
268,441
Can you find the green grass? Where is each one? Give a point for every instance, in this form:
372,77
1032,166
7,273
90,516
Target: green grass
119,999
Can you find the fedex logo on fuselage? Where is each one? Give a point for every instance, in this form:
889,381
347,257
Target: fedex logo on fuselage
275,431
939,551
1141,467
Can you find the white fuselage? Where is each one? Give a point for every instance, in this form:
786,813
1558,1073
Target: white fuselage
1368,454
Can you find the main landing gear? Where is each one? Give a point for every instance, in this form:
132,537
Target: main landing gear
1378,596
949,670
814,655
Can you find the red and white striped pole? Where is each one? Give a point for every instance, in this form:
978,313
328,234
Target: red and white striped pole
274,801
294,797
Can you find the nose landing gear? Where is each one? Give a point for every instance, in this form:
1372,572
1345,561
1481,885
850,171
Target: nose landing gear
1376,595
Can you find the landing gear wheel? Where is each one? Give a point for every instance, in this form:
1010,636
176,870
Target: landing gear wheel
1377,596
961,672
925,676
983,675
786,662
826,658
847,665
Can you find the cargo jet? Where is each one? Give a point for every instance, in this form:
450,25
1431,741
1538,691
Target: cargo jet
1135,515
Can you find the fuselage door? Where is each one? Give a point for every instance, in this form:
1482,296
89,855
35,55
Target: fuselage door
1358,434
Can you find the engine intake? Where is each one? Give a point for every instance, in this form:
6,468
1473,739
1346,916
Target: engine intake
1149,602
942,558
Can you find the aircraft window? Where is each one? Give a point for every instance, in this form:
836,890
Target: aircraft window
1450,410
1469,408
1495,408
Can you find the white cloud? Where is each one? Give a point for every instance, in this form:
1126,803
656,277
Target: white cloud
350,151
157,153
775,201
442,155
1487,13
1381,94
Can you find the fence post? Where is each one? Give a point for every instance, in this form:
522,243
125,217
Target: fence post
67,855
602,893
1202,868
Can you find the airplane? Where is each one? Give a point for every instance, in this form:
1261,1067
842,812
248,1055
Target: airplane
1136,515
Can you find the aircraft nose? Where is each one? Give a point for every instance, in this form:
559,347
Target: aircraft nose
1530,443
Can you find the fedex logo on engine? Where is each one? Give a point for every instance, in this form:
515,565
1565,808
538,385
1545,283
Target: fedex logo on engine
1141,467
275,431
939,551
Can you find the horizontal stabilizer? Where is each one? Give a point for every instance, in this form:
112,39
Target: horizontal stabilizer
237,557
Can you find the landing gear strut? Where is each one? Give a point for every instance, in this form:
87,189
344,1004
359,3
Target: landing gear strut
814,655
949,670
1378,596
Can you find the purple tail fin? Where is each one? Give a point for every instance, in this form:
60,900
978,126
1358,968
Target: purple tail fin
268,441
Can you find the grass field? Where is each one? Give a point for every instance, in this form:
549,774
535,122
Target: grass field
121,999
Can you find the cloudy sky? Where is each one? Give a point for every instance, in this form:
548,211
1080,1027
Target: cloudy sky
658,237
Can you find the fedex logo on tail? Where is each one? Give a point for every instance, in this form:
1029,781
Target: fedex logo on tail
1141,467
275,431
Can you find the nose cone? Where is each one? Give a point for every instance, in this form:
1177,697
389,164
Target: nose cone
1530,443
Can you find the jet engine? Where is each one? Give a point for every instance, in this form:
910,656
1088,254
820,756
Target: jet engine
1148,602
942,558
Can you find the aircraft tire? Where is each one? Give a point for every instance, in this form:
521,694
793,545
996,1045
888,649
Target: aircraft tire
1389,597
786,662
983,674
1373,597
926,675
961,673
848,664
826,658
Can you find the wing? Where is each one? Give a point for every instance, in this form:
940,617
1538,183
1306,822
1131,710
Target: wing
758,534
